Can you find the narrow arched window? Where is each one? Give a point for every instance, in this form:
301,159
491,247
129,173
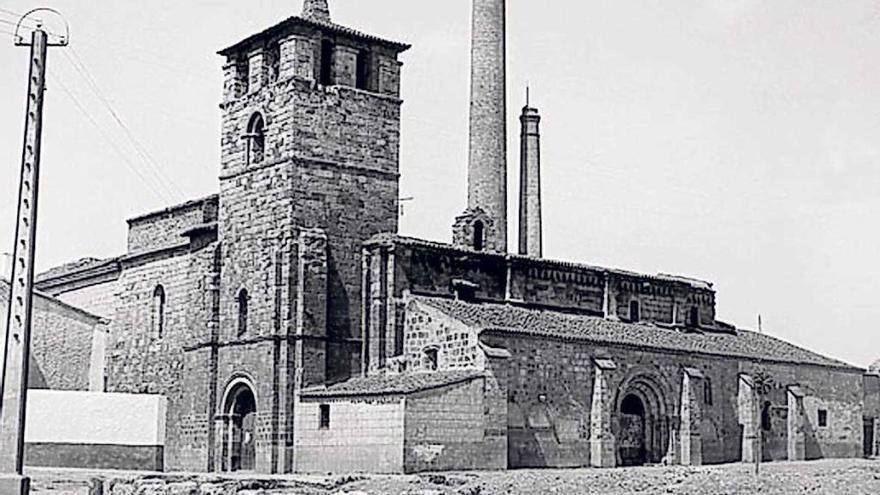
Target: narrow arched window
242,301
158,311
707,392
431,358
479,233
634,313
256,139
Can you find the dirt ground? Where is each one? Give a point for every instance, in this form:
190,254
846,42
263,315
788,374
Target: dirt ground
849,477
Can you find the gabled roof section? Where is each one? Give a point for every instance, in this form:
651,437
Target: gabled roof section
331,27
43,298
395,384
517,320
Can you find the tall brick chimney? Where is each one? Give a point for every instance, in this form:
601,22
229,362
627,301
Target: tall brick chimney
487,165
530,234
316,10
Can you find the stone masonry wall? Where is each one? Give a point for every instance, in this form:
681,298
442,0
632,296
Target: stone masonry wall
450,428
139,361
61,343
398,267
839,393
164,228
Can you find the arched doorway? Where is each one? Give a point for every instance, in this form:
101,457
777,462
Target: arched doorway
631,443
644,425
240,408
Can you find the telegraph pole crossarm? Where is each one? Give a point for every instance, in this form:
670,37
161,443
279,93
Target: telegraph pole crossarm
15,358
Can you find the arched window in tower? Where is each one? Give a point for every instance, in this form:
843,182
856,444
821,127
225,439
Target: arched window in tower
634,313
479,235
256,139
158,311
708,399
242,303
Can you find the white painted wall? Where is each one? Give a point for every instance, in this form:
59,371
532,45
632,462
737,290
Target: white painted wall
364,436
6,266
91,418
99,353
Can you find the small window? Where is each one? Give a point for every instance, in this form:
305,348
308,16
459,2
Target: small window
694,317
431,358
362,73
324,417
634,314
159,311
256,139
823,418
479,234
242,301
707,392
326,76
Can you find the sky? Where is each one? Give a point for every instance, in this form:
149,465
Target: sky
734,141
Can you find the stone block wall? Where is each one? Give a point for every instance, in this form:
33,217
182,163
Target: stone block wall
61,343
840,393
165,228
428,328
451,428
139,361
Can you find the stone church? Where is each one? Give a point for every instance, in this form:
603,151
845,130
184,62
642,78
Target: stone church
292,329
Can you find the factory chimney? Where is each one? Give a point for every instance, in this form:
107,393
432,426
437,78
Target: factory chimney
530,234
484,224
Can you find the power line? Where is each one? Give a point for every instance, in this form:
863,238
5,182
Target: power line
141,150
166,196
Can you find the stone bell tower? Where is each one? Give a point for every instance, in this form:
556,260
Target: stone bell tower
309,169
483,226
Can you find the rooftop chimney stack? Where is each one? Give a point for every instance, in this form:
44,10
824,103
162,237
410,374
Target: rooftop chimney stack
487,165
316,10
530,233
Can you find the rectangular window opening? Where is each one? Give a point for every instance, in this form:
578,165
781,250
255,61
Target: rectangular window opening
823,418
324,417
362,73
326,63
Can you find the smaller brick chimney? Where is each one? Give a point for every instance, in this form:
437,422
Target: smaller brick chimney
316,10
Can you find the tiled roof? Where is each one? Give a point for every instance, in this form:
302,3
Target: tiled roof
520,320
326,26
394,384
74,266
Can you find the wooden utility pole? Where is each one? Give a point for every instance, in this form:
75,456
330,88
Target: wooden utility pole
16,343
